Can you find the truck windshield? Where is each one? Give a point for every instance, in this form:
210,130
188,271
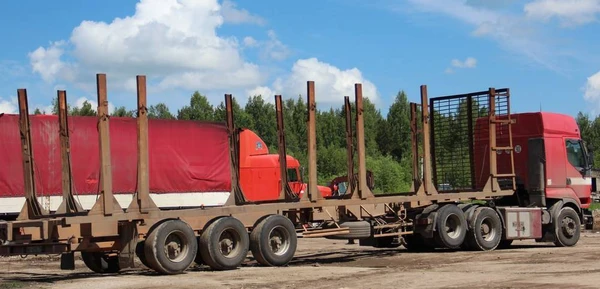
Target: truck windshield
292,175
575,154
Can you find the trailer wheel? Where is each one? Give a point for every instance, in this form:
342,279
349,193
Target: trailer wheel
273,241
451,227
224,244
171,247
101,262
567,227
485,230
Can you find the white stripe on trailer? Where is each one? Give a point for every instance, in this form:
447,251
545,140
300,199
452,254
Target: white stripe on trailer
13,205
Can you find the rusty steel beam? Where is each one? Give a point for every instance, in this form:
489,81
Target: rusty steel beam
69,204
432,140
492,137
427,184
285,192
106,204
273,208
471,141
414,129
32,208
236,195
313,191
349,148
142,201
363,188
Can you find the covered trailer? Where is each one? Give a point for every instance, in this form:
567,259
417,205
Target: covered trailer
188,161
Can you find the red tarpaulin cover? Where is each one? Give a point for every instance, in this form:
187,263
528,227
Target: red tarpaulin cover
185,156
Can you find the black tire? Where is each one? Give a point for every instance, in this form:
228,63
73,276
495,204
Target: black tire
101,262
278,231
485,230
182,247
210,244
451,227
358,230
139,252
567,228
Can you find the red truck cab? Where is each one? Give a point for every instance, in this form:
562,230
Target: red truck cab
555,138
260,177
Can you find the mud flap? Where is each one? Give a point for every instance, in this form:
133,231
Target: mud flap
67,261
129,240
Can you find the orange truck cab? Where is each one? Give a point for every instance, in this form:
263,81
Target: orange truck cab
260,177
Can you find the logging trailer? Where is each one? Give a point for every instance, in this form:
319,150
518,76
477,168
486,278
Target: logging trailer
482,177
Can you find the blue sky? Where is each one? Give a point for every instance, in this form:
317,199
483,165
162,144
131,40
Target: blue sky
545,51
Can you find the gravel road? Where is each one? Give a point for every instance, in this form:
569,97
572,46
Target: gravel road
322,263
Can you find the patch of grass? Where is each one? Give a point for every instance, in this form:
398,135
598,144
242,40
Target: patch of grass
12,284
595,206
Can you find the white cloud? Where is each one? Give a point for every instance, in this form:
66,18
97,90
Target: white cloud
237,16
250,42
47,62
331,83
174,43
569,12
515,33
592,89
9,106
263,91
80,101
470,62
274,49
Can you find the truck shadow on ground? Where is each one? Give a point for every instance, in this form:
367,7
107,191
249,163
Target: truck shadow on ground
348,257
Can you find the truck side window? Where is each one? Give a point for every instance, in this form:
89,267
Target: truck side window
575,154
292,175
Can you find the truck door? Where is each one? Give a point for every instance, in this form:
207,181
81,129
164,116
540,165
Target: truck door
577,172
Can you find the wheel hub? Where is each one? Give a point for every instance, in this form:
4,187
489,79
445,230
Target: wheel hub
175,247
568,226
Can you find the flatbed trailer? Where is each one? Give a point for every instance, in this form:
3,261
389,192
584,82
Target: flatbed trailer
169,241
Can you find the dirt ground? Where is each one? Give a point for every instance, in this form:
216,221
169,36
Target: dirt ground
322,263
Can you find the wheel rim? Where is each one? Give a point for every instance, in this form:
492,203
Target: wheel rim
279,240
453,226
176,246
229,243
488,231
569,227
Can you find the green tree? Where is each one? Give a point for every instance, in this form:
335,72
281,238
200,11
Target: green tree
394,135
37,111
241,118
85,110
264,121
121,111
199,109
160,111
